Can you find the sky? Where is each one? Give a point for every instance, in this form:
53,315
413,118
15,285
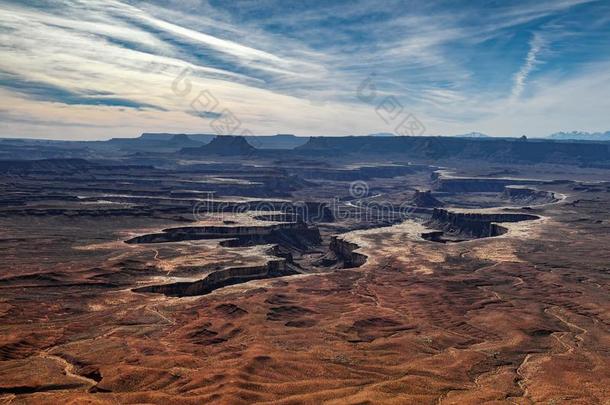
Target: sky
97,69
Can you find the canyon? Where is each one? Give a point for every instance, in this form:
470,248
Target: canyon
190,269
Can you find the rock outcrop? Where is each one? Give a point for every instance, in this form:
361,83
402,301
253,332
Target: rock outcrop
524,195
468,225
226,145
425,199
345,253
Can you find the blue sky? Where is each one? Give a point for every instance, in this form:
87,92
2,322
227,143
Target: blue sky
95,69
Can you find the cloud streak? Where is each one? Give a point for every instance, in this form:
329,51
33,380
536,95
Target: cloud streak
531,60
293,69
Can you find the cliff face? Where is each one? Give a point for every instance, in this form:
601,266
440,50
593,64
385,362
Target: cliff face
298,233
345,253
472,225
524,195
221,278
295,240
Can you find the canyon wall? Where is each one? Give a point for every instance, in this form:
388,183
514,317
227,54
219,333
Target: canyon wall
345,253
526,195
471,224
214,232
221,278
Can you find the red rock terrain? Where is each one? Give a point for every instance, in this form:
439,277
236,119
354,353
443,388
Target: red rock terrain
519,318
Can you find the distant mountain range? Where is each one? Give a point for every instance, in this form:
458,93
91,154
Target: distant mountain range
468,135
581,136
560,136
473,135
286,141
383,134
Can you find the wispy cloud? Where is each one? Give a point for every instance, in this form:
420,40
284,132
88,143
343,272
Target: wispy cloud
292,68
531,60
